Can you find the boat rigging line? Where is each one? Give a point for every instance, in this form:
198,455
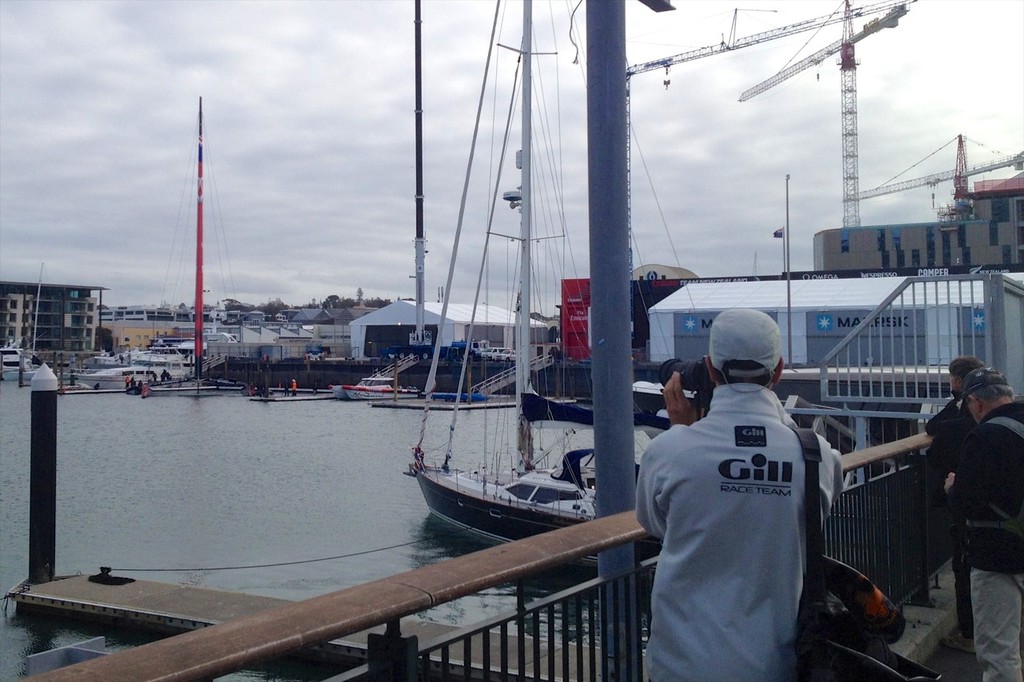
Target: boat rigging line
436,536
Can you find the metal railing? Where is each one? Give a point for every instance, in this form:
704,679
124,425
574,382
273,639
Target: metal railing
397,367
507,377
214,360
899,352
558,637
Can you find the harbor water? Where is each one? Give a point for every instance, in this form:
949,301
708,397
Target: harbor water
285,499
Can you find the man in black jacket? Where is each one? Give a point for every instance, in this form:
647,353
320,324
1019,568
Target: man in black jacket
949,429
988,488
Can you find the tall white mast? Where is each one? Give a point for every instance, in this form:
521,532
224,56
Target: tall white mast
523,317
35,317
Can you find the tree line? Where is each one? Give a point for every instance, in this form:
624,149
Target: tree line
332,302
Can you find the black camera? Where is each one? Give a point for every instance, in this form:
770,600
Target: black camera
697,384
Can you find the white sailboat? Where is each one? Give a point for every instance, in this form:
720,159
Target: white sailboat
516,499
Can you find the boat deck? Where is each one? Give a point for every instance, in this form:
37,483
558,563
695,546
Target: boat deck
492,403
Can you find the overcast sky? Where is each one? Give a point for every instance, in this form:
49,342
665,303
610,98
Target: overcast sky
310,156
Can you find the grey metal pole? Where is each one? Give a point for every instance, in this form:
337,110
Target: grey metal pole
611,366
609,268
42,515
789,296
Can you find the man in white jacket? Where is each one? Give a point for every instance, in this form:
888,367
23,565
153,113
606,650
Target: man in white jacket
725,495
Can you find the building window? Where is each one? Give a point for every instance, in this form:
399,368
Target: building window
885,259
1000,210
881,240
897,243
901,260
993,233
947,255
967,255
844,241
930,245
1006,255
915,258
961,236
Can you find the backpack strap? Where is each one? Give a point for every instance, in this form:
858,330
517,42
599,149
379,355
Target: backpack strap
1011,524
814,581
812,648
1011,424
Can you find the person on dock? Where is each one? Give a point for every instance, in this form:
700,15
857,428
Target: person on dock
948,429
295,387
988,489
725,496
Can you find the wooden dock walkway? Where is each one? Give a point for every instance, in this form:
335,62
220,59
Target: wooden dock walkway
167,609
322,395
163,608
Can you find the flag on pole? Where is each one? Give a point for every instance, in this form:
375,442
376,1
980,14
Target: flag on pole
779,233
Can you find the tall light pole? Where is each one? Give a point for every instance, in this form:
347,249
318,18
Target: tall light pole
789,296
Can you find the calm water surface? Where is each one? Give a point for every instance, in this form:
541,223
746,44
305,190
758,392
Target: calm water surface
186,490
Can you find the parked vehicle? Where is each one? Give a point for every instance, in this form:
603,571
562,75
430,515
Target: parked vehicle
499,354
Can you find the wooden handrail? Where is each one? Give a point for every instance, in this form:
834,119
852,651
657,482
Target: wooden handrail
224,648
878,453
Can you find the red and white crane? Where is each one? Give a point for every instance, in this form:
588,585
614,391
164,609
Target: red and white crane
958,175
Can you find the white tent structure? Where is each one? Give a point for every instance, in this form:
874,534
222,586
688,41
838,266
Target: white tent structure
492,323
820,313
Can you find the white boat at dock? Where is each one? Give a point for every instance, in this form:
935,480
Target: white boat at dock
374,388
16,362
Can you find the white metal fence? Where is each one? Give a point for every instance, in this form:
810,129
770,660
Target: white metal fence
900,351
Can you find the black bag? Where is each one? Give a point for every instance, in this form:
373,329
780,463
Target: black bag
845,623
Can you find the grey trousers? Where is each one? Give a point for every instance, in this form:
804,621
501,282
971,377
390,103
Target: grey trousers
997,601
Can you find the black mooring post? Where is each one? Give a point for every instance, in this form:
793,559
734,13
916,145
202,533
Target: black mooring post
42,516
390,657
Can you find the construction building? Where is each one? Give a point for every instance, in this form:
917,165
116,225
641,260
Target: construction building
985,230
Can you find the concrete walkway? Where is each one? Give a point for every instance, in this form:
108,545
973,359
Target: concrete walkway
927,626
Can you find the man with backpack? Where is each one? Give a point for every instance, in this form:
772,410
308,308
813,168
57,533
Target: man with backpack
949,429
988,489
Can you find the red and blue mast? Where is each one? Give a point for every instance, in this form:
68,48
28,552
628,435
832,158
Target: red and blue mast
198,355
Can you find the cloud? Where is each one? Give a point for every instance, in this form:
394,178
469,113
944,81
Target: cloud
309,139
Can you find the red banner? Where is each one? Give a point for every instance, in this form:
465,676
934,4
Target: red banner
575,318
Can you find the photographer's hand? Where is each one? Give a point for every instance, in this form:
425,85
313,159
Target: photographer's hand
680,409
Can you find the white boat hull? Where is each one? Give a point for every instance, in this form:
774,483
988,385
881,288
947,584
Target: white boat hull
374,388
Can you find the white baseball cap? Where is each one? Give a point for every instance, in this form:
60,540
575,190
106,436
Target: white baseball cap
744,344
